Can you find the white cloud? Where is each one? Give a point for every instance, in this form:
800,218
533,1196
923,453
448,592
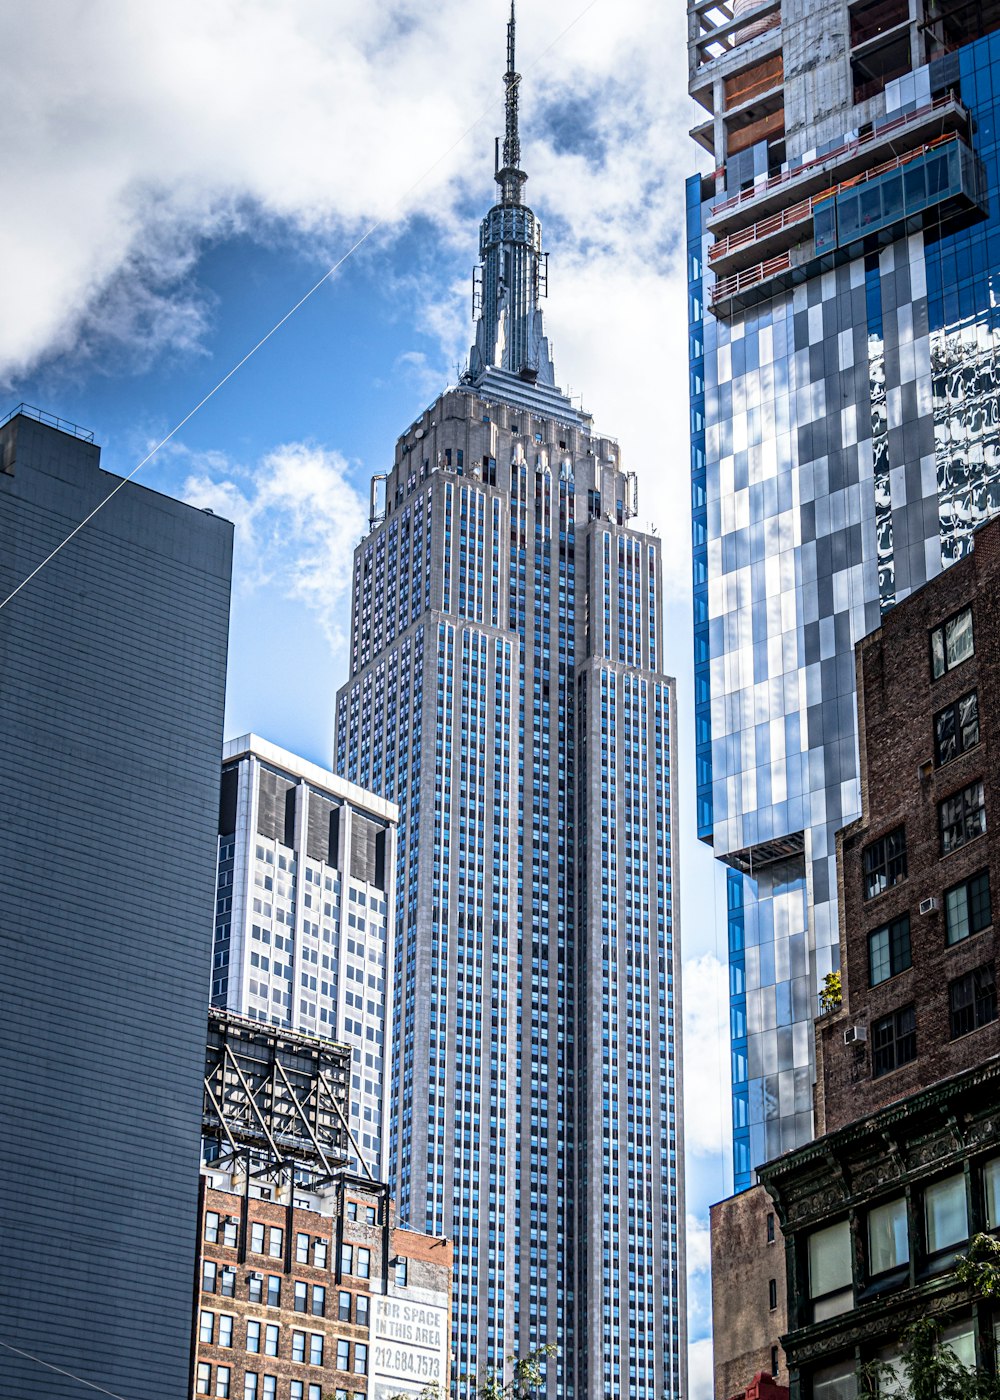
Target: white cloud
298,519
700,1373
698,1244
137,135
707,1078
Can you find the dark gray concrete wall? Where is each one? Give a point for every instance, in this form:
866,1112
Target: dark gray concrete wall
112,681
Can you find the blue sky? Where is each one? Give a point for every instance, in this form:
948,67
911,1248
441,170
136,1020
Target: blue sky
178,176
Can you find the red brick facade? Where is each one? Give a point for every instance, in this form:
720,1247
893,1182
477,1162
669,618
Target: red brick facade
286,1293
904,783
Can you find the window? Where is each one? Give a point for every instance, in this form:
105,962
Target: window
204,1386
889,950
885,863
894,1041
991,1190
945,1216
835,1382
253,1337
226,1322
772,1293
231,1233
967,908
347,1259
360,1359
400,1273
250,1386
301,1297
952,643
211,1226
301,1249
352,1210
270,1387
298,1346
343,1355
255,1288
830,1279
273,1291
962,817
318,1300
275,1237
344,1306
962,1340
973,1000
364,1262
271,1339
227,1283
774,1361
370,1215
319,1254
296,1391
206,1328
361,1310
956,728
315,1348
888,1241
770,1227
208,1273
257,1237
223,1376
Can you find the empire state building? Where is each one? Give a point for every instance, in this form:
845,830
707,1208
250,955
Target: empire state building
507,691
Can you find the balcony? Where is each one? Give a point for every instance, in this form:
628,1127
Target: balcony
791,226
944,176
912,129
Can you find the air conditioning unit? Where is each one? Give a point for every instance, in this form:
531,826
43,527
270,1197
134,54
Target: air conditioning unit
853,1034
232,1219
927,906
256,1275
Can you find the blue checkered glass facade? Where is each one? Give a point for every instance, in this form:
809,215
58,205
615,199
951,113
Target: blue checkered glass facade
845,443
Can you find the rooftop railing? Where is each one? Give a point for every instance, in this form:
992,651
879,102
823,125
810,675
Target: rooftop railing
877,134
50,420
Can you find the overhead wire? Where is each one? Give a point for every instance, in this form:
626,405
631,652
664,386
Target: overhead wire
369,231
61,1371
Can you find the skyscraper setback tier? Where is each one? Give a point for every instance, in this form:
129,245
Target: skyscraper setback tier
845,415
507,692
112,681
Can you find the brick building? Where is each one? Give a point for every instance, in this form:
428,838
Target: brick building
877,1210
307,1288
749,1306
320,1296
907,1169
917,868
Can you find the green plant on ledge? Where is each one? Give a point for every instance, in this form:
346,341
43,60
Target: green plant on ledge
831,996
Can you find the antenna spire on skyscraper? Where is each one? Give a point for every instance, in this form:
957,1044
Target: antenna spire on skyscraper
510,177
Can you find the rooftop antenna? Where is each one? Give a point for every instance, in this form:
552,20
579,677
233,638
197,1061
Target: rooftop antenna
510,177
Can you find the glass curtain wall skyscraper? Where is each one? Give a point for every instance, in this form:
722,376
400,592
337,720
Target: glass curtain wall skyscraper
507,692
843,265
